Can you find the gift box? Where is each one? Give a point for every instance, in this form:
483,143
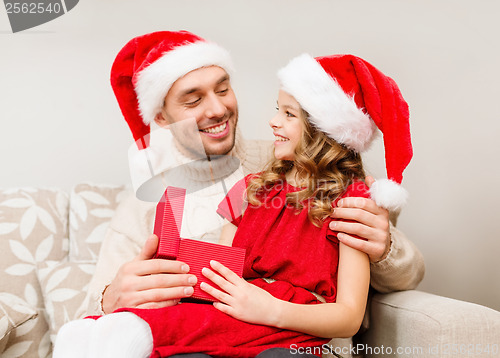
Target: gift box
197,254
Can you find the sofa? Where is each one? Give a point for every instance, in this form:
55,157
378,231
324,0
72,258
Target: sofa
50,240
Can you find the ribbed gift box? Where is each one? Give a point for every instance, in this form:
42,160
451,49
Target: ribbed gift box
197,254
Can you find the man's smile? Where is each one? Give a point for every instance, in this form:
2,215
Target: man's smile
217,131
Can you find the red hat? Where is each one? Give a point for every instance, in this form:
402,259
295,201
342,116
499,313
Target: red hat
347,98
148,65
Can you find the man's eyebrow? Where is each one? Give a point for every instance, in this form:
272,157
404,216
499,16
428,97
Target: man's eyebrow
223,79
188,91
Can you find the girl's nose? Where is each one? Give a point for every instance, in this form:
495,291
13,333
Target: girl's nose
274,122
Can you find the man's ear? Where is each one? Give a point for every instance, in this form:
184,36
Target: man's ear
160,119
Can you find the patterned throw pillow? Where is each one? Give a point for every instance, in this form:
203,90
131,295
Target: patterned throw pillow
33,229
64,286
13,313
92,207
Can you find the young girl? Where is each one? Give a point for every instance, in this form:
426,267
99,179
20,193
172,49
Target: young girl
300,286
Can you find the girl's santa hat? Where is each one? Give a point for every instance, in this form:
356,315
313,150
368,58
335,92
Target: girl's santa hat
348,99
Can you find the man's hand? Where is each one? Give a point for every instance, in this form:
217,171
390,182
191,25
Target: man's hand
372,224
241,299
148,283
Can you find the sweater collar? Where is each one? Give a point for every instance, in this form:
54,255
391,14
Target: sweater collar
213,169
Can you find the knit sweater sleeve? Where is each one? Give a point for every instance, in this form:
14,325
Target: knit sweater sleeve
116,250
128,230
402,269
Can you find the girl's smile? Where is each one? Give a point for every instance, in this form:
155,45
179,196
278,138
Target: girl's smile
279,138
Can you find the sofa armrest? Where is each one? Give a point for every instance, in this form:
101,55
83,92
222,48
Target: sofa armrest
419,324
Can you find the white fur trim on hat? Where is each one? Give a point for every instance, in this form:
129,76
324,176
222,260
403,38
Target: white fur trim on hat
331,110
389,194
155,80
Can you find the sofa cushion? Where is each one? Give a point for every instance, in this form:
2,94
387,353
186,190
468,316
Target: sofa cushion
64,285
33,228
13,313
92,207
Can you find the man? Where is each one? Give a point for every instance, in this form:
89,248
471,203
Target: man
181,82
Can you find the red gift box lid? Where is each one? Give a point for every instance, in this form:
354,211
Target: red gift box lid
168,222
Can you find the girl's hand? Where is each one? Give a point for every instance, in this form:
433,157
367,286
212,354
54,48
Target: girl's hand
241,299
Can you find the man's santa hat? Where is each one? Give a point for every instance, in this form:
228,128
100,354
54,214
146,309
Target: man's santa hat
348,99
147,66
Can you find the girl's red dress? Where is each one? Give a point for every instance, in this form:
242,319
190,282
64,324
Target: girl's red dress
281,244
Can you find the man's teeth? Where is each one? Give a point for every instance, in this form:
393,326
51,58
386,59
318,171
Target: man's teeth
215,130
281,139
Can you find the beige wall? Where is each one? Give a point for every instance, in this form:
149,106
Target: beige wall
60,124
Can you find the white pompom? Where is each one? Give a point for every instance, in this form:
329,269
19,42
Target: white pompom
389,194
